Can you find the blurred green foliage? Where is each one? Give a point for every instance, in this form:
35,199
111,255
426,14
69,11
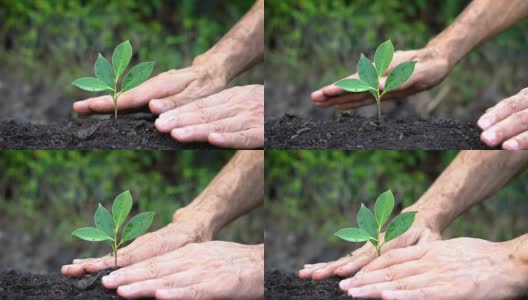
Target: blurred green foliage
56,36
51,193
317,42
311,194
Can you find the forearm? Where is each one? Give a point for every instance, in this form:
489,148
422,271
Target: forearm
470,178
241,48
481,20
237,189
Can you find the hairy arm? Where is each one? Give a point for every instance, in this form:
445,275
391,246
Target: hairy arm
241,48
237,189
470,178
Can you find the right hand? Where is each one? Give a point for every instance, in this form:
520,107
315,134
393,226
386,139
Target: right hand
161,93
173,236
432,67
419,233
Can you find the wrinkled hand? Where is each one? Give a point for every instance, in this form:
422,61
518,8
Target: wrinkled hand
462,268
167,90
172,236
418,234
211,270
431,69
506,123
233,118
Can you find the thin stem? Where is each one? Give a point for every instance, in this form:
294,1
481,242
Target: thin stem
378,102
115,106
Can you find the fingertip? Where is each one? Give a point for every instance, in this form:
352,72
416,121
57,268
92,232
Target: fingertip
216,138
157,106
511,145
81,107
164,294
180,134
484,123
318,96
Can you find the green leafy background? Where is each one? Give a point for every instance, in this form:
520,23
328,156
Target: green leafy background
309,195
311,43
45,195
46,44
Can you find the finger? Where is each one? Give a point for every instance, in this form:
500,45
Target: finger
245,139
347,98
190,93
436,292
147,288
502,110
330,91
328,270
200,116
383,275
306,273
306,266
82,260
375,290
198,291
353,266
354,105
395,256
73,270
506,129
200,132
518,142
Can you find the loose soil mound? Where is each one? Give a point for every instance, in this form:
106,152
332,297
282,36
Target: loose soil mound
356,133
15,285
281,286
126,133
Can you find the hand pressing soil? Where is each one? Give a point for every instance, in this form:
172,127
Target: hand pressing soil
357,133
281,286
15,285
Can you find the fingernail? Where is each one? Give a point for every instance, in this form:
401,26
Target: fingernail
160,122
217,137
158,104
126,289
489,136
484,123
181,133
354,291
511,145
344,284
108,279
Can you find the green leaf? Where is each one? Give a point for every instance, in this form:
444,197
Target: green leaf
399,76
367,72
91,234
367,221
91,84
383,57
121,57
354,85
137,75
104,221
104,71
383,208
137,226
399,225
353,235
121,208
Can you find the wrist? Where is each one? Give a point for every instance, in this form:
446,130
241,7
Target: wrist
214,65
201,221
516,255
427,217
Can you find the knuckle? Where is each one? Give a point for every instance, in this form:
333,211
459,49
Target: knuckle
219,126
524,92
389,274
401,285
168,283
521,119
152,269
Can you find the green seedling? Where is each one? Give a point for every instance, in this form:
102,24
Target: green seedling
371,225
370,74
107,225
107,75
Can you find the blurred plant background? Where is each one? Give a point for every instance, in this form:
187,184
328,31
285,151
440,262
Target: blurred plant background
311,43
312,194
45,195
46,44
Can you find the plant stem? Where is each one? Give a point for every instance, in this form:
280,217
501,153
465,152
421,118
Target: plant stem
115,106
378,102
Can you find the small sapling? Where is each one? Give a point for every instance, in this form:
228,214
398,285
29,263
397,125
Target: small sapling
370,74
371,224
107,75
107,225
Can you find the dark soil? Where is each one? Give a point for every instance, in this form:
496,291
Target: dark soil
128,132
15,285
356,133
280,286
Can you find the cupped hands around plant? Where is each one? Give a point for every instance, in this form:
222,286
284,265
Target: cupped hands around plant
432,66
420,232
107,226
107,75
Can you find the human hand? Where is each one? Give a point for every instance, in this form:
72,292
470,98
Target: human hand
506,123
233,118
182,231
211,270
419,233
432,67
462,268
162,92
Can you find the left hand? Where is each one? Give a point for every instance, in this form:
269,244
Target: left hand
210,270
233,118
506,123
462,268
